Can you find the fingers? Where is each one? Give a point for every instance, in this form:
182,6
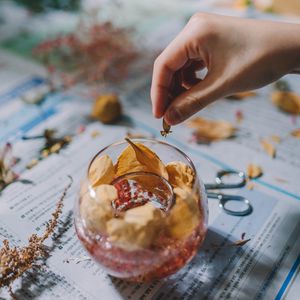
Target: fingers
172,59
193,100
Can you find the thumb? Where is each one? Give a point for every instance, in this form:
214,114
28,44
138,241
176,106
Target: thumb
193,100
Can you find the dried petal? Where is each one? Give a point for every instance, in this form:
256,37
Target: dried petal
138,229
183,218
101,170
166,129
242,95
209,130
240,243
94,215
287,101
269,148
296,133
105,194
145,157
180,174
254,171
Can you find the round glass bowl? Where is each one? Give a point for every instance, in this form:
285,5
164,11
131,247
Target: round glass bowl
154,225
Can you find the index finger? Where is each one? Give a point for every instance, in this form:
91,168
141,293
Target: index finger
172,59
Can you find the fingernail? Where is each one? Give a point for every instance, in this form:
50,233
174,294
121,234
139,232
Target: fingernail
173,116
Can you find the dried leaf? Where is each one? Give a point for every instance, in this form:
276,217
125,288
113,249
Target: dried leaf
101,171
242,95
184,215
296,133
138,229
240,243
145,157
268,147
166,129
209,130
180,174
254,171
94,215
287,101
127,163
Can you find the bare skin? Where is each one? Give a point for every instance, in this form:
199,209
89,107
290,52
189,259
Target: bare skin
240,55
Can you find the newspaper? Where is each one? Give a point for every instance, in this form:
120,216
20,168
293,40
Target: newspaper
267,267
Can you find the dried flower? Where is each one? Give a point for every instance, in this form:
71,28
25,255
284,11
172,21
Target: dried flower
52,145
15,261
239,116
209,130
7,175
166,129
93,53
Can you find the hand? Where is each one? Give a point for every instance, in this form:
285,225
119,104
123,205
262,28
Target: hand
239,54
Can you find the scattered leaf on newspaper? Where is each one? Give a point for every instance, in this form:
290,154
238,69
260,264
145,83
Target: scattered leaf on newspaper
242,95
240,243
210,130
254,171
287,101
268,148
296,133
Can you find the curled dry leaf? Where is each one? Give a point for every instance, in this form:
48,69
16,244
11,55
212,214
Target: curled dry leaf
296,133
138,157
183,217
138,229
254,171
97,211
209,130
268,148
107,109
101,171
240,243
180,174
166,129
242,95
287,101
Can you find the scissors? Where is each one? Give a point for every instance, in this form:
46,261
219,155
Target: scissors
224,198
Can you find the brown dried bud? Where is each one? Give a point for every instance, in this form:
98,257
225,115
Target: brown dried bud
107,109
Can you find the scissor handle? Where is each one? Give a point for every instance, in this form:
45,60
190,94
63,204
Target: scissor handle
221,185
223,199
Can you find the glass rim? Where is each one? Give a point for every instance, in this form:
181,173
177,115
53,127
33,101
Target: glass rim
141,140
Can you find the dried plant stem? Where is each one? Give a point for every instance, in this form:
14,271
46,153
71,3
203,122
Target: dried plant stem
14,262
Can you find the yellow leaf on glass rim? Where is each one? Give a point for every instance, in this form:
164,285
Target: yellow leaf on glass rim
101,171
143,158
180,174
268,148
287,101
210,130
